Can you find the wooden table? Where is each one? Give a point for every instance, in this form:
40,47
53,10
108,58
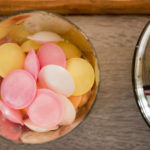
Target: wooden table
115,122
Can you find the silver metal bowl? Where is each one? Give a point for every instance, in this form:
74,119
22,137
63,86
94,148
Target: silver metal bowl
141,73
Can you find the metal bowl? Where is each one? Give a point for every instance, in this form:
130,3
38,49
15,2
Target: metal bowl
141,73
47,21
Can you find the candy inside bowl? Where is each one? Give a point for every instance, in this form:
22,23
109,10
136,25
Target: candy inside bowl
49,76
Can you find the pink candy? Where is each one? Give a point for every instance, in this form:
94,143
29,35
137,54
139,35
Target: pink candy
50,53
32,64
47,109
18,89
11,114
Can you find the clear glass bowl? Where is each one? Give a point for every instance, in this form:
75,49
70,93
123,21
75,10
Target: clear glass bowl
56,23
141,73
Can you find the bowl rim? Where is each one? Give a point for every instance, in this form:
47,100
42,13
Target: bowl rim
137,47
97,62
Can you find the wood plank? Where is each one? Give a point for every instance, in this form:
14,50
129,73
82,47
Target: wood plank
77,6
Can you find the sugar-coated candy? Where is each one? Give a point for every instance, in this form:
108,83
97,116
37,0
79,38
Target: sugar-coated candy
70,50
49,54
9,130
11,58
45,36
11,114
29,44
18,89
69,112
47,109
18,33
75,100
57,79
36,128
82,73
85,98
32,64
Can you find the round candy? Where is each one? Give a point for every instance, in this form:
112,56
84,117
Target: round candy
29,44
75,100
45,36
47,109
82,73
11,114
18,33
18,89
56,78
69,112
32,64
85,98
49,54
36,128
70,50
11,58
9,130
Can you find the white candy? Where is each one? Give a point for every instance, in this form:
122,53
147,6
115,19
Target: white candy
69,112
36,128
45,36
57,79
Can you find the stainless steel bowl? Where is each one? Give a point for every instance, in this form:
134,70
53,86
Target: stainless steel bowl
141,73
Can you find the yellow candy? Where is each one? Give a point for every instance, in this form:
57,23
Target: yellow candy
29,44
18,33
70,50
11,58
82,73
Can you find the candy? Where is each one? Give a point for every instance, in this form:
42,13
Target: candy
49,54
47,109
18,89
11,114
75,100
32,64
56,78
29,44
18,33
70,50
85,98
9,130
11,58
69,112
82,73
45,36
36,128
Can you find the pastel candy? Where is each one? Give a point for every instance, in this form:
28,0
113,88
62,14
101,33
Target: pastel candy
18,33
69,112
18,89
85,98
57,79
47,109
49,54
36,128
32,64
45,36
70,50
82,73
11,58
11,114
75,100
29,44
9,130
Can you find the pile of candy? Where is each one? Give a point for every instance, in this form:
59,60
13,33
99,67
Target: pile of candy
44,81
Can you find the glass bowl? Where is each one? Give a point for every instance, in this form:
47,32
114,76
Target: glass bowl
47,21
141,73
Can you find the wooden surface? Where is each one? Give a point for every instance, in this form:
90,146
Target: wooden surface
78,6
115,122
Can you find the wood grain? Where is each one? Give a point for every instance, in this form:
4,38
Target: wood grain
115,122
77,6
